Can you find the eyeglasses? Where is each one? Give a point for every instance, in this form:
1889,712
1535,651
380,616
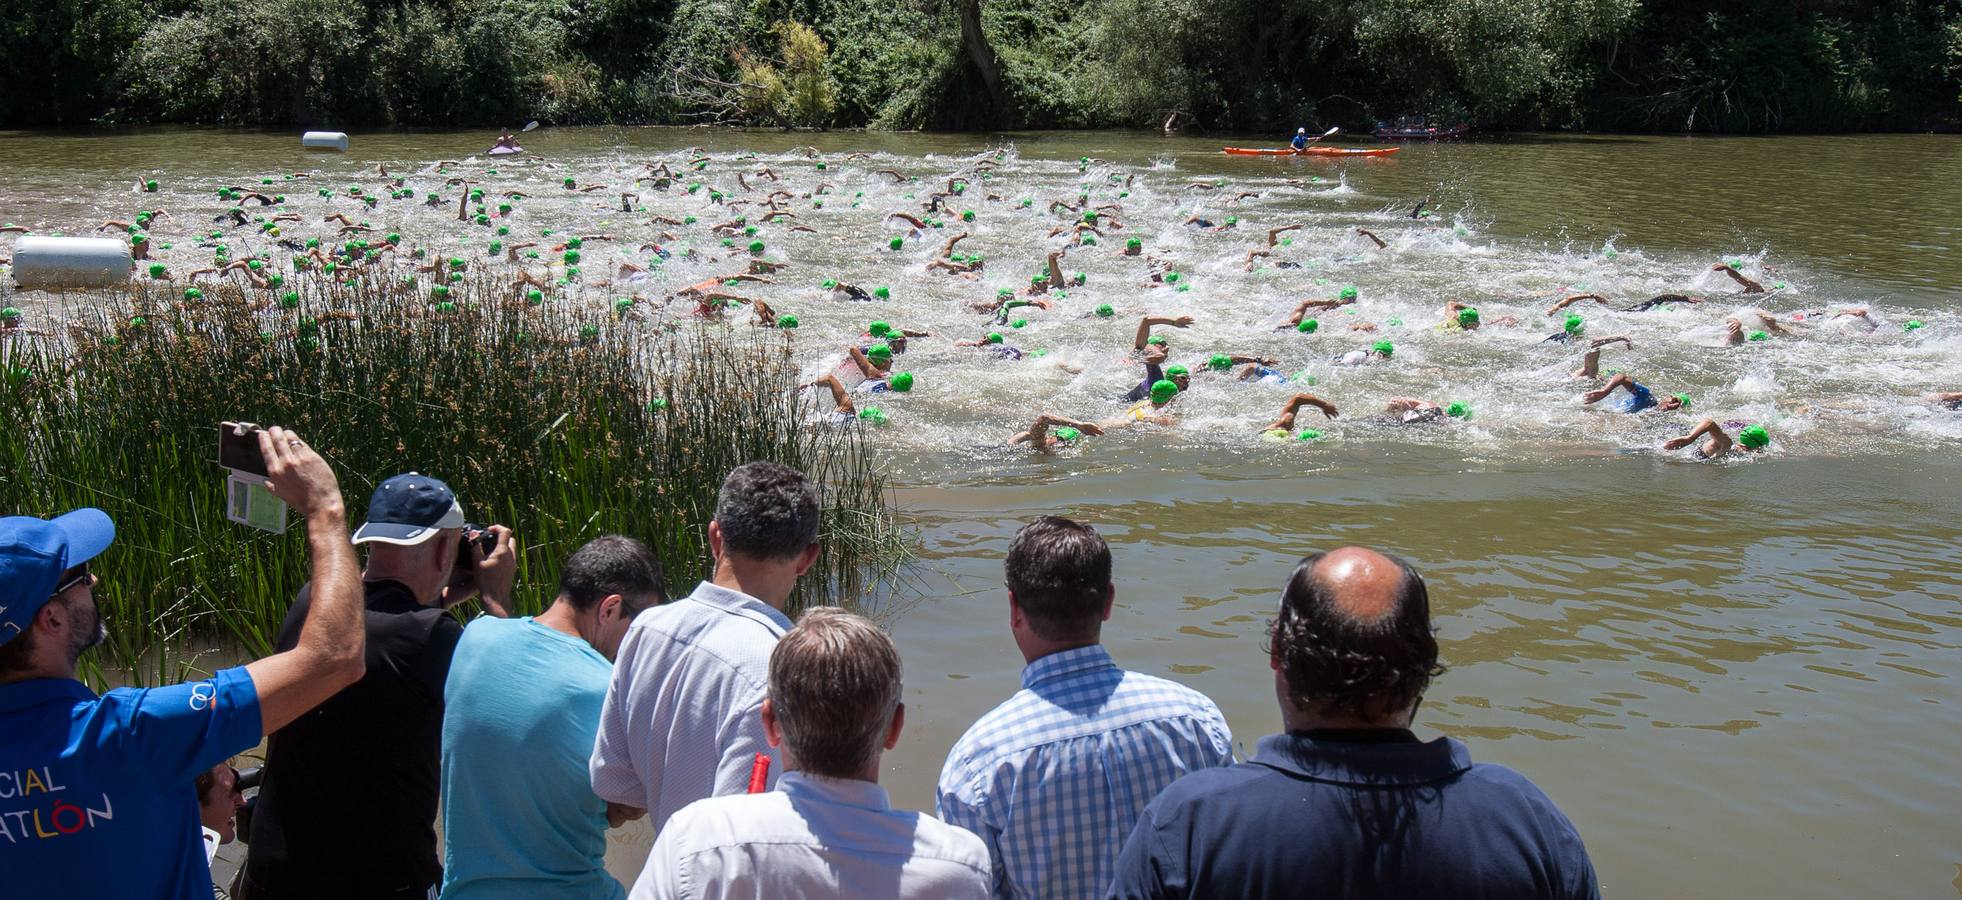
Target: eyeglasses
71,578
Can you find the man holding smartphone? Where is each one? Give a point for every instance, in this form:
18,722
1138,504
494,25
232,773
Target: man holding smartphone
348,804
96,793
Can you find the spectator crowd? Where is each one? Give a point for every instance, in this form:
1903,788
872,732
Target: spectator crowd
752,743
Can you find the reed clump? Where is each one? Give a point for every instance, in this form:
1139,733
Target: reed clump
563,420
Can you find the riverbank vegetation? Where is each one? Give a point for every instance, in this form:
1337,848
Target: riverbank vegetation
561,422
1732,66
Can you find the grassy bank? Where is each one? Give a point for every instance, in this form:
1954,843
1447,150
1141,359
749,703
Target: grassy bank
564,422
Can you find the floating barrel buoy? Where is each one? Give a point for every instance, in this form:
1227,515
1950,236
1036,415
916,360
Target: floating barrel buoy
335,141
51,263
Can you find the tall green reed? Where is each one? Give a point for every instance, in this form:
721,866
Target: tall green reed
562,420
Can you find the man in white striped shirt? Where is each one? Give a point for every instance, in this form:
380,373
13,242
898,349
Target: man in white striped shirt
1053,779
682,718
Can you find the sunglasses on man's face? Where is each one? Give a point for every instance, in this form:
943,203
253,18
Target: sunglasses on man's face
71,578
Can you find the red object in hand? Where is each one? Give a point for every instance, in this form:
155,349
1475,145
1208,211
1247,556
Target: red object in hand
759,774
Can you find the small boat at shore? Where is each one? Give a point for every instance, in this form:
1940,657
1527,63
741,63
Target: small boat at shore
1309,151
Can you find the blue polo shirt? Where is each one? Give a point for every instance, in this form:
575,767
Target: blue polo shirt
96,795
1371,814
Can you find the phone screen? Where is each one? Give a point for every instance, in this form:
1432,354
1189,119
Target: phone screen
238,448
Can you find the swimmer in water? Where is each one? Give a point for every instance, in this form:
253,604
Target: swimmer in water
1151,411
1565,302
843,410
1734,328
876,365
1067,432
1639,397
1156,371
1345,298
1750,287
1950,399
1660,300
1717,443
1358,357
1285,421
1414,410
992,342
1465,317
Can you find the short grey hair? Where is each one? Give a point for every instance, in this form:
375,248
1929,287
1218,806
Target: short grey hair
767,511
834,686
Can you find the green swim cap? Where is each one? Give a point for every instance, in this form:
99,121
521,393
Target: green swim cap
138,237
588,332
1912,325
994,337
496,247
1176,370
535,296
1090,217
830,284
1384,347
1458,411
786,321
1155,340
1754,436
1574,323
1104,311
572,257
1308,434
1133,244
157,270
873,414
1065,433
1171,278
821,165
1348,292
10,314
1163,390
878,329
1019,323
291,300
901,382
896,243
1468,317
446,306
967,215
1219,361
882,292
193,295
623,304
657,404
254,265
756,246
151,185
879,352
503,231
439,292
1308,326
1080,278
1759,336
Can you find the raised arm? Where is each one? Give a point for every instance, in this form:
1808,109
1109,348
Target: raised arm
1621,380
1372,236
1565,302
1144,328
839,399
331,651
1056,279
1750,287
1718,445
865,366
1285,420
947,249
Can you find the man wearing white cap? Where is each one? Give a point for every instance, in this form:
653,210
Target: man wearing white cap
348,802
96,795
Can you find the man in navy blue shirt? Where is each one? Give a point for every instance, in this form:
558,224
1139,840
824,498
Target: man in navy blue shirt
1349,803
96,795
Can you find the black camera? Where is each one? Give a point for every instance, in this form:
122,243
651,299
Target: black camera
474,534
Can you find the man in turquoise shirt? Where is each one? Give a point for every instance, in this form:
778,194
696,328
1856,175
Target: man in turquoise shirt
520,711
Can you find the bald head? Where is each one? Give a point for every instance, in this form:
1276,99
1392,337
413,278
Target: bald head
1353,636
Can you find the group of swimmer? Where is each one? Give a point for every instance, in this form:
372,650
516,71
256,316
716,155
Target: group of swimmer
761,197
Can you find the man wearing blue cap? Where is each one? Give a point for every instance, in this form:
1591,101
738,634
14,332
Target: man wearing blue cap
96,795
348,803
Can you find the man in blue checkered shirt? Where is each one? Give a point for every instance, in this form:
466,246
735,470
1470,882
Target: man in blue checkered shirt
1054,779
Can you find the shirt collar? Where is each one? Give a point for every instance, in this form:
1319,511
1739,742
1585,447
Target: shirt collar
1364,764
842,791
722,598
34,692
1073,661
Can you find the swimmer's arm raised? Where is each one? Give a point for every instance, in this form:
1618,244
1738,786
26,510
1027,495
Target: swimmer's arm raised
1718,445
1372,236
840,399
1569,301
1145,324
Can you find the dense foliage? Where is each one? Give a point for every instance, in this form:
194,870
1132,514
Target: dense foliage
1726,65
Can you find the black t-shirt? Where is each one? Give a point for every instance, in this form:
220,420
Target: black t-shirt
348,804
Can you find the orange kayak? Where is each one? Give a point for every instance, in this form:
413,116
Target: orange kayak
1311,151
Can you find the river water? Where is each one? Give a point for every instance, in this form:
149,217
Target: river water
1737,678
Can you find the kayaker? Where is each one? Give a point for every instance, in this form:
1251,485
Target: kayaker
1300,141
505,140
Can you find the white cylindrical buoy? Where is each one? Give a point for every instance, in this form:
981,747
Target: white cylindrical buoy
52,263
325,140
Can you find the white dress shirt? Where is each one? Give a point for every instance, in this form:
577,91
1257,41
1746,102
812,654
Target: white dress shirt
682,718
812,837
